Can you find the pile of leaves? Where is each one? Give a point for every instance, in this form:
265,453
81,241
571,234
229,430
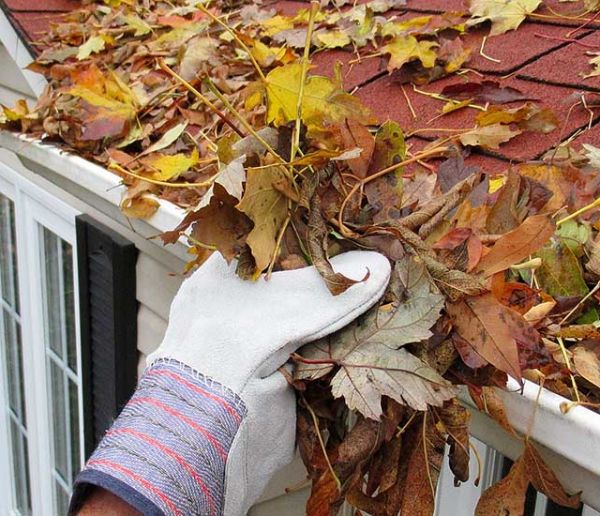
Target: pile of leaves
215,108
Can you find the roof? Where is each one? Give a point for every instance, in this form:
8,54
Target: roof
31,18
544,59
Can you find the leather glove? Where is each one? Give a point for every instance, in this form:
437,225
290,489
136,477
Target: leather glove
212,419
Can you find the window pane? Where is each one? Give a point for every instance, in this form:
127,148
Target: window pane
8,253
20,469
14,365
52,291
74,416
61,359
69,304
58,423
62,499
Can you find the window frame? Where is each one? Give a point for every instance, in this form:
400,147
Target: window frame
35,208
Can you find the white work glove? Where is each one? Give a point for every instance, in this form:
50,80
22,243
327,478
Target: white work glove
214,415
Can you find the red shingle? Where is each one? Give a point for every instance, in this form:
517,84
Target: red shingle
502,48
33,25
565,65
437,6
43,6
387,101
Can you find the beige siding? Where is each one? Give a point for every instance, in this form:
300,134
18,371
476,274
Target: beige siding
12,83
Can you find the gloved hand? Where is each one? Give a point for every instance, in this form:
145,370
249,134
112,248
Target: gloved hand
212,419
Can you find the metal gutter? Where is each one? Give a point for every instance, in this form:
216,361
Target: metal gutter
570,442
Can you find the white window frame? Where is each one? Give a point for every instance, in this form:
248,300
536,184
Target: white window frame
33,207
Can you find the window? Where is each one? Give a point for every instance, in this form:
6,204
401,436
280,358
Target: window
41,402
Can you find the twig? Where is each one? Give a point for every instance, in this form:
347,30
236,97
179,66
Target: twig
563,350
580,211
314,9
581,27
322,443
576,307
277,246
119,168
565,40
408,102
484,55
163,66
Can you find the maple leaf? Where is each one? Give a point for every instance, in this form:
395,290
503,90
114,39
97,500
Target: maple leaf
488,137
267,208
322,99
366,350
505,15
407,48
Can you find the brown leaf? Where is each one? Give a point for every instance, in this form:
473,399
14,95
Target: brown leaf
222,225
424,464
586,356
544,479
453,171
484,92
487,400
336,282
267,207
456,422
139,207
488,327
506,497
355,134
516,245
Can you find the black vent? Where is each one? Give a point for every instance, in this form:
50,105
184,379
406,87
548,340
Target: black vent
108,309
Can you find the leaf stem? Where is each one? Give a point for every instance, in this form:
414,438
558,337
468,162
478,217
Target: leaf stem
322,443
314,9
580,211
163,66
119,168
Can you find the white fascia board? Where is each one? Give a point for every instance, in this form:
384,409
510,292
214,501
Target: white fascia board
20,54
87,175
571,441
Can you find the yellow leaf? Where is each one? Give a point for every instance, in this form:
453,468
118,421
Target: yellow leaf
332,39
169,167
265,56
277,24
136,23
267,208
488,137
322,99
92,46
407,48
505,15
139,207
